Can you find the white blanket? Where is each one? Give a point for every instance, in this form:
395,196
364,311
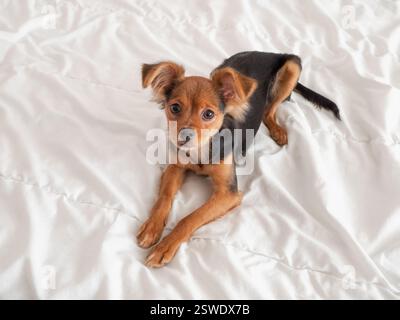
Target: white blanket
320,217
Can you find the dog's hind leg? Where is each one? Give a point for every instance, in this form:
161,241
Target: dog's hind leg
285,82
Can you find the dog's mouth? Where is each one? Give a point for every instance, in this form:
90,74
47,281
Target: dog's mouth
181,143
187,144
186,148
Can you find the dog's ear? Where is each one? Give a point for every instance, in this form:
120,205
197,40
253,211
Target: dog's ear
161,77
234,89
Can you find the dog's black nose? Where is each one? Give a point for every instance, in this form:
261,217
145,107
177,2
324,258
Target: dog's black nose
185,135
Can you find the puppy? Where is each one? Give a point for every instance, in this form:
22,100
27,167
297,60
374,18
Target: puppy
245,90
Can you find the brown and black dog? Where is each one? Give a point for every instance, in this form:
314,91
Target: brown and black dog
242,92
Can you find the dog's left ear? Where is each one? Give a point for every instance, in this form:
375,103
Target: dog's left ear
162,77
234,88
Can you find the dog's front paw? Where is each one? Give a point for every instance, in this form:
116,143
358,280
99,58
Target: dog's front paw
150,232
279,135
163,253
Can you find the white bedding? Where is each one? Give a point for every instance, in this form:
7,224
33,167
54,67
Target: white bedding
320,218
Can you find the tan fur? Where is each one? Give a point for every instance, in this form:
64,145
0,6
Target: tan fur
237,112
194,95
171,180
161,77
285,82
222,200
235,89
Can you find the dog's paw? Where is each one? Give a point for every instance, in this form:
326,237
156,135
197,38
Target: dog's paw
279,135
149,233
162,253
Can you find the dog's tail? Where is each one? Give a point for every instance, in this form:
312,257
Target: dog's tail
318,100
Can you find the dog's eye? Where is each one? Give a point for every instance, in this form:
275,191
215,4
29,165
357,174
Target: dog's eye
175,108
208,114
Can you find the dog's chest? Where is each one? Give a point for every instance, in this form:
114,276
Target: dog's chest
199,169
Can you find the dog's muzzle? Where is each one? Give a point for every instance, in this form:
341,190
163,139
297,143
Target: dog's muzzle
185,135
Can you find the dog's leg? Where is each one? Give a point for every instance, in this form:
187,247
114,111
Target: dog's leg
150,232
285,82
225,197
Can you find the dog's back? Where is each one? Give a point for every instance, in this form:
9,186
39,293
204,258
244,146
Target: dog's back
263,67
277,76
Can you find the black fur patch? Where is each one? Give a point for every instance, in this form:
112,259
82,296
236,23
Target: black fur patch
263,67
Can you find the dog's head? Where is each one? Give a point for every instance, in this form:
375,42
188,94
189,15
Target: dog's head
198,105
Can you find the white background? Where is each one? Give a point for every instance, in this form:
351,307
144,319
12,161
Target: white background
320,218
